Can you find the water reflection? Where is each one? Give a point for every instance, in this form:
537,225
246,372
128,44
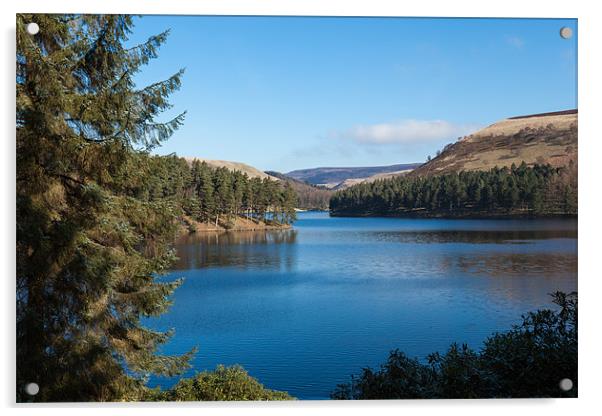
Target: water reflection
470,236
406,254
362,254
519,264
268,249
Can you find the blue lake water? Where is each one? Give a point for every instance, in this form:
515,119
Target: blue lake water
303,309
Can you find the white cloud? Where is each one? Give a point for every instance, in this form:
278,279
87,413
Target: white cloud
406,132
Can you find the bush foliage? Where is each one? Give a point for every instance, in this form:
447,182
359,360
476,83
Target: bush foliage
225,383
526,362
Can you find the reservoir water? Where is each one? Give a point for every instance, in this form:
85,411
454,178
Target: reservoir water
303,309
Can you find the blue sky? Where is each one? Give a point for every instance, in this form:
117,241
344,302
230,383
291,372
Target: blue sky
283,93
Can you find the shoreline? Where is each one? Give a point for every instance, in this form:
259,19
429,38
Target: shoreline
458,216
190,226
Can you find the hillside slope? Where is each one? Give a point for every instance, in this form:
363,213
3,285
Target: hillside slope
308,196
548,138
333,176
234,166
354,181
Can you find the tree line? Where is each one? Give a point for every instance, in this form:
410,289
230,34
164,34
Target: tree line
518,190
213,194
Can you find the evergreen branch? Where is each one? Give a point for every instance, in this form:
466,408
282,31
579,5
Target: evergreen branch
141,54
166,86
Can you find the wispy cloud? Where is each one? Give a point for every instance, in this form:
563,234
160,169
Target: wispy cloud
405,132
515,41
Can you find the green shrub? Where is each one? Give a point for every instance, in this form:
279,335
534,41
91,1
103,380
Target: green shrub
527,361
223,384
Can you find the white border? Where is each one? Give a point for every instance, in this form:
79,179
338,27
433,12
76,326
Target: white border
589,210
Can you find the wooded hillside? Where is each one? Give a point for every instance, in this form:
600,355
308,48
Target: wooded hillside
518,190
212,195
309,196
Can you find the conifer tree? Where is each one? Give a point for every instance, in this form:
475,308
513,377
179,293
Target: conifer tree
290,201
88,251
222,192
205,193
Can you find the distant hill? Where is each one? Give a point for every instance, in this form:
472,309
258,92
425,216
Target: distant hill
242,167
547,138
332,177
309,196
354,181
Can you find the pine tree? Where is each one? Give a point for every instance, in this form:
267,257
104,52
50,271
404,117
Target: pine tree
88,252
289,204
261,198
204,189
223,194
239,188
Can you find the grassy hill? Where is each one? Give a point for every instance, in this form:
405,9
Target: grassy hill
548,138
234,166
354,181
332,177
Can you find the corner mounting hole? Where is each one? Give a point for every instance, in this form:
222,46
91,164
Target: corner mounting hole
566,384
32,389
32,28
566,33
